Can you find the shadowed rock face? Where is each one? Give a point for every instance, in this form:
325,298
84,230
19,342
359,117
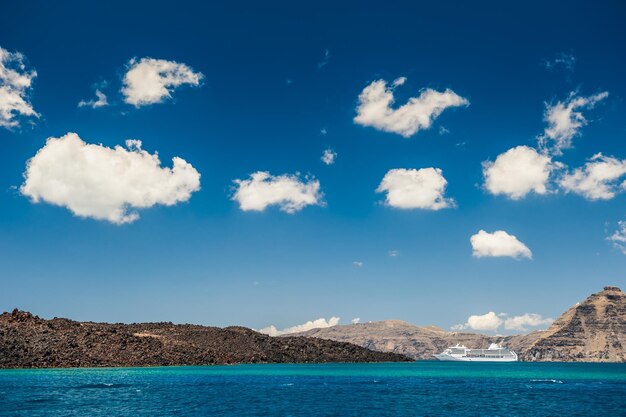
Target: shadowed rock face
593,331
27,341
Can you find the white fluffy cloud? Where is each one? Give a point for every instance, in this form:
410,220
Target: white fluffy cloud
565,121
619,237
517,172
492,322
523,322
415,189
104,183
289,192
100,101
149,81
599,179
329,156
489,322
498,244
15,84
320,323
375,108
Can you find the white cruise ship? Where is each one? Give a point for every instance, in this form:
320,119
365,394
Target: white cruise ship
495,353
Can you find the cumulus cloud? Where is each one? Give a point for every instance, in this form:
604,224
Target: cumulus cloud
523,322
517,172
329,156
375,108
15,85
99,101
356,320
565,120
320,323
149,81
104,183
599,179
619,237
492,322
288,192
498,244
415,189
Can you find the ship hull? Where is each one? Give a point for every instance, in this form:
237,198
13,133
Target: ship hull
450,358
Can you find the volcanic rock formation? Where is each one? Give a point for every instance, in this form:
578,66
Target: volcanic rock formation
27,341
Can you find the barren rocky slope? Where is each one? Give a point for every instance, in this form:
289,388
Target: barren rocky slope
27,341
591,331
594,330
400,337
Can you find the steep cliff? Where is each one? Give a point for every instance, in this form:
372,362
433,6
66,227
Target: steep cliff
593,330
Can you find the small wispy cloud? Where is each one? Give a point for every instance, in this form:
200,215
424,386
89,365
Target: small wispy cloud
565,120
491,322
320,323
618,238
329,156
358,264
15,87
99,101
393,253
601,178
324,60
563,60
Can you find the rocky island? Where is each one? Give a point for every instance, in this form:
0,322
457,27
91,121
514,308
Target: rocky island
27,341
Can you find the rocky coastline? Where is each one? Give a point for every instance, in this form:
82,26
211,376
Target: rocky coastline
27,341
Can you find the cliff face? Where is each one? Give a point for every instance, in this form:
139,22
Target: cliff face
591,331
27,341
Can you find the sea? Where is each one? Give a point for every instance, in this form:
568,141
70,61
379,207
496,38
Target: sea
423,388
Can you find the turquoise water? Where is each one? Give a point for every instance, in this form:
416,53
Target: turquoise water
390,389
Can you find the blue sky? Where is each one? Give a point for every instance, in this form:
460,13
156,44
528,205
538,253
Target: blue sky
280,84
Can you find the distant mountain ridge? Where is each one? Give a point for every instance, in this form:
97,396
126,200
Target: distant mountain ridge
27,341
591,331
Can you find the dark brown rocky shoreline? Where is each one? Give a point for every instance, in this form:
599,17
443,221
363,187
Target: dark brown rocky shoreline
27,341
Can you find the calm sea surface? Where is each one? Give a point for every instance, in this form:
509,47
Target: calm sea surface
390,389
